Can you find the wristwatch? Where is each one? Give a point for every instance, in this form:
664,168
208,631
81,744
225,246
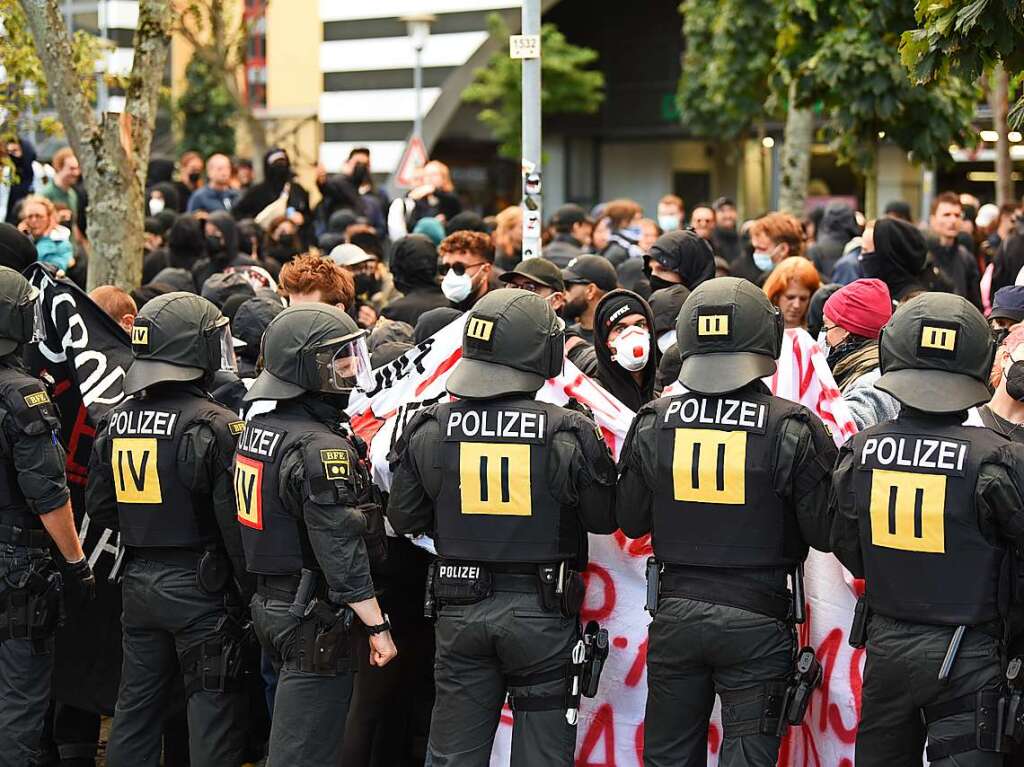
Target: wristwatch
380,628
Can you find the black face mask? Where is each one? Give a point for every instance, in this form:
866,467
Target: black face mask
214,245
1015,381
366,284
278,174
288,241
657,283
193,178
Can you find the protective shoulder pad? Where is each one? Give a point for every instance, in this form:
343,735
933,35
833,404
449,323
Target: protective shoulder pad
29,404
332,469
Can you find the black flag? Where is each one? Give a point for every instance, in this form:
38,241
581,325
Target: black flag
87,355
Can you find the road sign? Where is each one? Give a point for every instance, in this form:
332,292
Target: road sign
524,46
413,158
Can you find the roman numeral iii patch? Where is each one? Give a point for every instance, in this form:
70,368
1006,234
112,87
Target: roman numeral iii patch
335,462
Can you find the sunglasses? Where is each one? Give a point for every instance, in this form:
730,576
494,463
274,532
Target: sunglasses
459,268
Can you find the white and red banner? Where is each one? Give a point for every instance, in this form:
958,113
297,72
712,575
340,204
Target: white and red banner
611,725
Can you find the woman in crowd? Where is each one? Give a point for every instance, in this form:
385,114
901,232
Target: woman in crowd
790,287
52,241
508,238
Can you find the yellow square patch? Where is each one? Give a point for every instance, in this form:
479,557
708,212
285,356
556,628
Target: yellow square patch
236,428
140,335
480,329
335,463
713,325
36,399
943,339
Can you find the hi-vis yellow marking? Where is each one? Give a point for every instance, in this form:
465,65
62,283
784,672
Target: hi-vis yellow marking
37,399
136,479
709,466
495,479
479,329
908,511
140,334
938,338
713,325
248,495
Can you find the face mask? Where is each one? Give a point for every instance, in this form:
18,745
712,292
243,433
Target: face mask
214,244
657,283
869,264
668,223
823,343
763,260
632,349
194,177
366,284
278,174
999,335
456,287
156,205
666,341
287,241
1014,376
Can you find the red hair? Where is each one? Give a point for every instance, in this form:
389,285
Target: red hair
788,269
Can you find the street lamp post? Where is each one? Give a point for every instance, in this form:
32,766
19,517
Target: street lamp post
418,27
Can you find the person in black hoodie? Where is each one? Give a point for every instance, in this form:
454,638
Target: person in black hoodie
414,268
627,355
900,260
277,171
221,248
681,257
838,227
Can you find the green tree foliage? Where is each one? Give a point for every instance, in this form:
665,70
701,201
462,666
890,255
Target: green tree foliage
844,57
23,92
725,79
208,112
967,38
568,86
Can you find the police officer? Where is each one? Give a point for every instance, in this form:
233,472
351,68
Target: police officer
160,473
923,509
732,483
509,488
35,511
304,504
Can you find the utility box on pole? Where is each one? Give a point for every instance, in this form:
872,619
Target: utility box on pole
527,47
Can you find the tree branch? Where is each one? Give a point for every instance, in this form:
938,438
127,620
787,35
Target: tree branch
152,43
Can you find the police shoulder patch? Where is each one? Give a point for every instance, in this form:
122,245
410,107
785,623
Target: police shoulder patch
37,398
336,464
236,427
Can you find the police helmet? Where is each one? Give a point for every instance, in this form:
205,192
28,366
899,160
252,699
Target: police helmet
178,337
511,344
729,334
21,317
312,348
936,354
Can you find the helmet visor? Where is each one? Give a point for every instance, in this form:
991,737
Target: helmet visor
344,364
226,344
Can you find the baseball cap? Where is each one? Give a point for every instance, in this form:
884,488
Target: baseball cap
567,215
728,334
348,254
584,270
538,270
1008,304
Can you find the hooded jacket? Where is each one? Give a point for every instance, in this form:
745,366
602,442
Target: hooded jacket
613,377
838,227
269,189
414,268
230,256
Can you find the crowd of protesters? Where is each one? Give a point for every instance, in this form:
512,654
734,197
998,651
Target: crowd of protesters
616,274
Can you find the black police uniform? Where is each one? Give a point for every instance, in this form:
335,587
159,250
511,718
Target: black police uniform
32,482
923,510
732,488
161,473
302,497
509,488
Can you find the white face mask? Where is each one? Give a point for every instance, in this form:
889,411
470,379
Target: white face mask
763,260
632,348
668,223
456,287
666,341
822,342
156,205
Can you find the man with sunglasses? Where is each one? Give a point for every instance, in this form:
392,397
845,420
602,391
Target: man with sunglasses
541,277
160,474
305,506
467,260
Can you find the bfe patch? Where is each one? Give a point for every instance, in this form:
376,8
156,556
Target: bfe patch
336,464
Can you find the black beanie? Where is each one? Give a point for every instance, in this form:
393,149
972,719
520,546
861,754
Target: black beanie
16,250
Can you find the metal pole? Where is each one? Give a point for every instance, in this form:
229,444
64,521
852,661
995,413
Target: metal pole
532,213
417,84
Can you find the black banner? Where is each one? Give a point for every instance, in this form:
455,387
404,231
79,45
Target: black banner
87,354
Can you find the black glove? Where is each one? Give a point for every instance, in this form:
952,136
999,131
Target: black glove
81,571
576,406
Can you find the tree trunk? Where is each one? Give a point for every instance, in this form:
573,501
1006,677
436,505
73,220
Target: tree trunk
999,100
871,186
114,152
796,157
